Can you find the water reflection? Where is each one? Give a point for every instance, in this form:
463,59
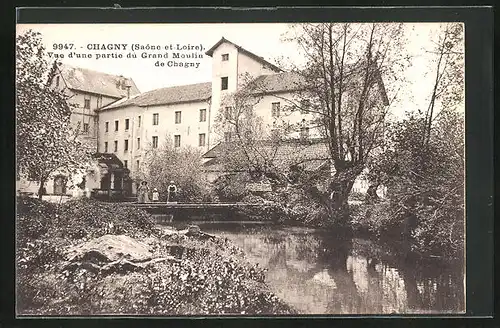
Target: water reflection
319,273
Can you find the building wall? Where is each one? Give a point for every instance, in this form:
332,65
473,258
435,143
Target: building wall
189,129
131,134
238,68
221,69
248,66
264,109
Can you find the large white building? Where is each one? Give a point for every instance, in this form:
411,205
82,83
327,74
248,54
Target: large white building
187,115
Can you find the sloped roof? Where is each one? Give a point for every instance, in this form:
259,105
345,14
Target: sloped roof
87,80
110,161
281,82
250,54
310,155
169,95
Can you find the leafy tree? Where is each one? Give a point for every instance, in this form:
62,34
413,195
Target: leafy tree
342,87
45,141
248,146
427,184
182,165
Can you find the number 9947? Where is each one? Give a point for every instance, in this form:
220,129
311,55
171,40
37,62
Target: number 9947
62,46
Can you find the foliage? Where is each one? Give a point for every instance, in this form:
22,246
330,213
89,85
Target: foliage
182,165
248,145
46,143
428,182
232,187
344,90
209,276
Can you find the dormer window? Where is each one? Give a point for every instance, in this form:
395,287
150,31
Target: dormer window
225,57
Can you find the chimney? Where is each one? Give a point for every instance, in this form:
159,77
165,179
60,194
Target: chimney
128,85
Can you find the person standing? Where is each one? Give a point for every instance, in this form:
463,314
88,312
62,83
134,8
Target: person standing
143,192
156,195
171,192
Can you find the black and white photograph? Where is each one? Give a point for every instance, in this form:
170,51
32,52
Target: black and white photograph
240,169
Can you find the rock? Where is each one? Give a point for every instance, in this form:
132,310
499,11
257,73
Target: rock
109,248
193,230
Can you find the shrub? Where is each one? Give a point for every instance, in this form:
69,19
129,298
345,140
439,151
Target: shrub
91,219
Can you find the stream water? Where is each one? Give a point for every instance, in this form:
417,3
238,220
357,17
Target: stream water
318,273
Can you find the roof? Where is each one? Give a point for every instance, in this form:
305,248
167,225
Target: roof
309,155
110,161
246,52
87,80
281,82
169,95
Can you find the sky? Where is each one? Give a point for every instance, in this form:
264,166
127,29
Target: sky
264,40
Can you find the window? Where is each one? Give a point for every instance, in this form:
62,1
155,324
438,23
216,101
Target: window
228,113
85,127
138,143
304,106
225,57
57,81
177,140
125,164
137,164
156,118
116,125
127,123
125,146
177,117
116,146
139,122
227,136
155,142
276,109
304,133
86,102
106,127
203,115
105,146
201,139
224,83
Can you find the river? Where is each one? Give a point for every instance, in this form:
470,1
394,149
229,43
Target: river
318,273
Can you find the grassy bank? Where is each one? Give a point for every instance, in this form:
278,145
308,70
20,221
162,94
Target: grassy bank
205,275
422,237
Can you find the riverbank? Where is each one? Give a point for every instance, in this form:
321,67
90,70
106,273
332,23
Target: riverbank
84,257
377,221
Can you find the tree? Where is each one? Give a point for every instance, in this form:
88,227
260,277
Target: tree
182,165
45,141
343,88
427,184
448,84
249,147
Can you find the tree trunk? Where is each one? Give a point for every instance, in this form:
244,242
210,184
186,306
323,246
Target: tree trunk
371,194
340,190
41,188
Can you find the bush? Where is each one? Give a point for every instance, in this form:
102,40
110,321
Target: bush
91,219
210,277
34,217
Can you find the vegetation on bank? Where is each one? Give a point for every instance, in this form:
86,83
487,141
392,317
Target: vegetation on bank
207,275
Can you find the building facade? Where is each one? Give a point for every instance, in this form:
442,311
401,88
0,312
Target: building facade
87,92
188,115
